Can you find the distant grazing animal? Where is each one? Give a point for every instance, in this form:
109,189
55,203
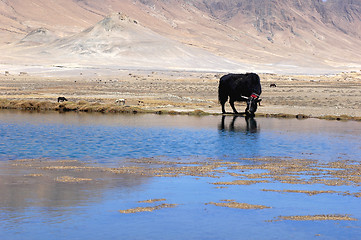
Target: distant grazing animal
62,99
272,85
240,87
120,100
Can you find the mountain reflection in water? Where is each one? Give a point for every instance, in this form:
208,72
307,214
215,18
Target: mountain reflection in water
28,189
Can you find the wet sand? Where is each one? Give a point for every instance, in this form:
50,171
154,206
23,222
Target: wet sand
326,96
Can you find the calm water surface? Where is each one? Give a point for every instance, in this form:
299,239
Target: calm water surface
109,138
91,212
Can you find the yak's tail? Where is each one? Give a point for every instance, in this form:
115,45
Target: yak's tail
222,92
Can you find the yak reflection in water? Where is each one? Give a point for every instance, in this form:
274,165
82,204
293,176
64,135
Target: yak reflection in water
249,127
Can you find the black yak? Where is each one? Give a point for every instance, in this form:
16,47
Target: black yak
240,87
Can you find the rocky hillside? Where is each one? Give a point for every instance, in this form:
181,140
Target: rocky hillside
271,17
296,35
116,42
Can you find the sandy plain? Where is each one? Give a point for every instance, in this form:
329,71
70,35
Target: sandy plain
334,96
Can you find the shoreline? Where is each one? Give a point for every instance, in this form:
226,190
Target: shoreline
87,107
334,97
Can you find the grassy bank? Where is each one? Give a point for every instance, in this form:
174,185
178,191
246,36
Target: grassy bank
84,106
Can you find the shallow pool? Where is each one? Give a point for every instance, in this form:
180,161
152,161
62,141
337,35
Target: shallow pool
110,138
32,209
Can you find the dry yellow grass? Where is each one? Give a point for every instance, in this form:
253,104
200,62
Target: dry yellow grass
69,179
308,192
328,217
153,200
234,204
148,209
241,182
34,175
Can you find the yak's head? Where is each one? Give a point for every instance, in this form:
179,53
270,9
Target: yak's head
252,104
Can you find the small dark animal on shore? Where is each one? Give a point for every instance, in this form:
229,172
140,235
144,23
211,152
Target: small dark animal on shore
62,99
272,85
240,87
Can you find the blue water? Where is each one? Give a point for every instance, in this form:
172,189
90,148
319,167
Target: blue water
110,138
82,211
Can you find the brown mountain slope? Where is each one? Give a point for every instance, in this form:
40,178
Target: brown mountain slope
285,34
116,42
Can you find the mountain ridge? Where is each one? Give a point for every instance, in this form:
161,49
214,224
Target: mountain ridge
119,40
301,34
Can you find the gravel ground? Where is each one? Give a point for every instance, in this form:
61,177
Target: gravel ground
314,96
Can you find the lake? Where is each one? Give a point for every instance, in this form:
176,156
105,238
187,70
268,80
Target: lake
44,208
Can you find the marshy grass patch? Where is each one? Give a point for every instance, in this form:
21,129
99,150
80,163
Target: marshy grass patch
322,217
233,204
70,179
311,174
153,200
34,175
147,209
308,192
241,182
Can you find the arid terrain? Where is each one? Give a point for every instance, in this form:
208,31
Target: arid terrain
150,60
287,37
169,55
336,95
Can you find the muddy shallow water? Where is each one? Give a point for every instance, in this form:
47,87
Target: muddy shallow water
90,176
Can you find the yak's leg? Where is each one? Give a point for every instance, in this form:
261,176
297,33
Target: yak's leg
223,101
231,125
222,127
223,109
231,102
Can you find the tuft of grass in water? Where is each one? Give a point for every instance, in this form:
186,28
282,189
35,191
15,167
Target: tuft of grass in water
153,200
148,209
324,217
234,204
